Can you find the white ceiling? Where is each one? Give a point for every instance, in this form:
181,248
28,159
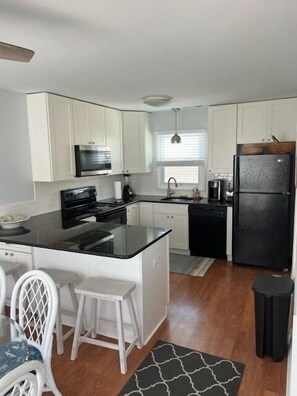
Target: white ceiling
114,52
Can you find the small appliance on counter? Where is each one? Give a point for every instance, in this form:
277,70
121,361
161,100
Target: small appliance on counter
217,190
128,192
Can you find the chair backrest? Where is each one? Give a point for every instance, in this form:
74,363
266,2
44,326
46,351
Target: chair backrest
34,304
22,381
2,290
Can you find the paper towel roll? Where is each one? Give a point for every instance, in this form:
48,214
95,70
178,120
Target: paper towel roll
117,190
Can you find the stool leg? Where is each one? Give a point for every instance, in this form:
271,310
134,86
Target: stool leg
122,347
75,343
131,308
94,318
59,330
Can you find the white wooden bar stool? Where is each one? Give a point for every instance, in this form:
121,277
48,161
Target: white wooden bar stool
106,289
11,269
63,278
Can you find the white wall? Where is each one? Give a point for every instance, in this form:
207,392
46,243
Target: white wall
192,118
15,163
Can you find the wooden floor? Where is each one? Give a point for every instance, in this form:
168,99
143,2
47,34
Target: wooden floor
213,314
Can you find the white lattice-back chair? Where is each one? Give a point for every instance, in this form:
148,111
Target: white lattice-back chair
34,304
25,380
2,290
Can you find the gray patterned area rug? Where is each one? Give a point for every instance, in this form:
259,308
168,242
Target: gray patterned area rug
177,371
189,265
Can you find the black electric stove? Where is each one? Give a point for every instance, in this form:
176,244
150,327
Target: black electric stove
81,203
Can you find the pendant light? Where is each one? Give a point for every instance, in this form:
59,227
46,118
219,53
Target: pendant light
176,138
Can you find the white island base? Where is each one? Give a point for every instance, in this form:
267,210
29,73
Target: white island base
148,269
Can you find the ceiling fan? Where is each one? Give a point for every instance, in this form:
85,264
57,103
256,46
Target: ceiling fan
15,53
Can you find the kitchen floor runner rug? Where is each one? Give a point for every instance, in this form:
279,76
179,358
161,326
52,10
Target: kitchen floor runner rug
173,370
189,265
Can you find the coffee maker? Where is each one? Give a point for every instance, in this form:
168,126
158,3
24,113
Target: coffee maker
128,192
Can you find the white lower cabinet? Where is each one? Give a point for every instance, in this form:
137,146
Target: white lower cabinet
133,214
19,254
229,233
146,216
175,217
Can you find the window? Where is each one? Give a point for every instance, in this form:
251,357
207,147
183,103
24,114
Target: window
184,161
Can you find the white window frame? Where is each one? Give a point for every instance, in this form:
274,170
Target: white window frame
162,184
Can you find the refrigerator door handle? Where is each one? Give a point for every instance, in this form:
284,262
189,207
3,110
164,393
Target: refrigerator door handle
236,173
286,193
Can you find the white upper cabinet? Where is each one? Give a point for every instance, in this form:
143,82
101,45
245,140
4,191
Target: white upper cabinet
252,121
51,137
221,138
88,123
113,125
257,121
282,116
137,142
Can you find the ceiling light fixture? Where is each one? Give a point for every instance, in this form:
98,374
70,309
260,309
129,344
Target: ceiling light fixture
157,100
176,138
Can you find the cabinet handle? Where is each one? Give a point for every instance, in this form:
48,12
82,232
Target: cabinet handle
172,217
6,254
268,139
262,140
11,254
90,142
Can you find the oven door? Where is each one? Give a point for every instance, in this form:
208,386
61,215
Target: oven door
115,216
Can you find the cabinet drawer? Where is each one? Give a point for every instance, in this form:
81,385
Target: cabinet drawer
15,248
171,209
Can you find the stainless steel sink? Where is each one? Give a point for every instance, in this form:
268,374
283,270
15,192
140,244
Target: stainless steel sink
176,199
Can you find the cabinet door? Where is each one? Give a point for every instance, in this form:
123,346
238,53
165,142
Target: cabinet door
51,137
146,216
61,136
136,142
222,124
282,115
12,256
252,121
133,214
113,125
180,232
96,116
80,123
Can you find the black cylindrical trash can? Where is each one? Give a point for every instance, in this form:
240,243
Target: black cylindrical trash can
272,303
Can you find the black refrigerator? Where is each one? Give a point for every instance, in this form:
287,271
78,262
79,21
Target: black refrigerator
263,210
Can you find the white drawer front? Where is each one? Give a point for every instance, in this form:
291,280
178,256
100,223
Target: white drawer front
171,209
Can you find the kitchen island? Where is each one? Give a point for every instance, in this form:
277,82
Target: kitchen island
134,253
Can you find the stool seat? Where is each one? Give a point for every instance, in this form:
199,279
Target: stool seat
63,278
10,268
117,291
107,289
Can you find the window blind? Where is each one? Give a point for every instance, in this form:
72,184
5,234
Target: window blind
190,152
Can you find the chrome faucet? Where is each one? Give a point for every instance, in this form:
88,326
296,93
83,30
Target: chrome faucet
169,191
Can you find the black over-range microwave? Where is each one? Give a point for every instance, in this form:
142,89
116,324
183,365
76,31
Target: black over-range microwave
92,160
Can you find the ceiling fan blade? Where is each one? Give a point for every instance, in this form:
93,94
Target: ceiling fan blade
15,53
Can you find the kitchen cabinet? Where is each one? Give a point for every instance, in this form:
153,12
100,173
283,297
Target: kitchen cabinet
229,233
175,217
222,128
257,121
133,214
282,119
19,254
113,129
146,216
137,142
51,137
88,123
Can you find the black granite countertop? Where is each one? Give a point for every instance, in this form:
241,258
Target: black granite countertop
102,239
160,199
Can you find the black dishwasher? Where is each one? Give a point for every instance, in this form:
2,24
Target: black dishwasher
207,230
